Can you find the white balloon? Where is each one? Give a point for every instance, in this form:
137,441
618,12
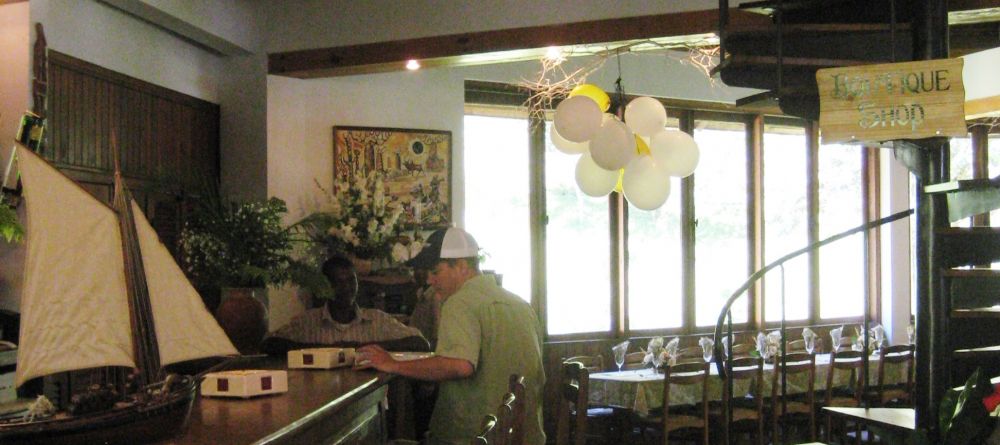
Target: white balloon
613,146
645,184
645,116
592,179
568,147
578,119
676,151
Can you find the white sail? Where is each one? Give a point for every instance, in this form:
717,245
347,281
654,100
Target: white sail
74,306
185,330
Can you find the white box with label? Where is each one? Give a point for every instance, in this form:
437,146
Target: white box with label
320,358
244,383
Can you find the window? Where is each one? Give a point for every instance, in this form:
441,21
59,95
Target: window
655,270
841,264
785,222
720,198
707,217
496,182
578,258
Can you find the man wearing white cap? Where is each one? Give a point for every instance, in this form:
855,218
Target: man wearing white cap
486,334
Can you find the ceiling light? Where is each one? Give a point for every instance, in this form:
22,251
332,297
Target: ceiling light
412,65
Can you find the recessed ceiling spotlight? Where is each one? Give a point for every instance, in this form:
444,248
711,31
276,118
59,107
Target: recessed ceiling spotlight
412,65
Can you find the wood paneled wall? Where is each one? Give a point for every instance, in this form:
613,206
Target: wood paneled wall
168,142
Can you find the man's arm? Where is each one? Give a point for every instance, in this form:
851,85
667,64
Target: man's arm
433,369
413,343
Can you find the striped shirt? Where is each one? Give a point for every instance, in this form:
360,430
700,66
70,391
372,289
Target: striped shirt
315,326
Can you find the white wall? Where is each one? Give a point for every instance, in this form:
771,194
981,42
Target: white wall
302,24
105,36
15,72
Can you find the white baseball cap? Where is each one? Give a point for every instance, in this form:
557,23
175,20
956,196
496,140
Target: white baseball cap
451,242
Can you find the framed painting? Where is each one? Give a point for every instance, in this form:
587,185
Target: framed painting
414,165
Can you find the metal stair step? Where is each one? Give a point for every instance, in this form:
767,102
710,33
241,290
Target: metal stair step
824,11
983,312
972,289
869,42
965,246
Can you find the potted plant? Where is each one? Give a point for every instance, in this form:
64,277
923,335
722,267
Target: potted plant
237,250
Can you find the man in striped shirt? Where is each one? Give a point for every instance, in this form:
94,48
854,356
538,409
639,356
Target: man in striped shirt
341,323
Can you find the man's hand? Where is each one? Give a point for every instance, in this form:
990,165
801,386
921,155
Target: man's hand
373,356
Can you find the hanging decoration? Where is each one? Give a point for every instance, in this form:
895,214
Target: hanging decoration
635,157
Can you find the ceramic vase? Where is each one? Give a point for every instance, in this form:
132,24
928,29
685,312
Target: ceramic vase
243,316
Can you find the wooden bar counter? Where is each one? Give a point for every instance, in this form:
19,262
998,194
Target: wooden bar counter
320,407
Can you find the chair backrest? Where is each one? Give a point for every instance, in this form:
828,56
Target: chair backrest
741,350
516,387
795,346
633,360
851,363
593,363
798,363
692,373
900,355
750,369
505,420
691,354
486,432
572,411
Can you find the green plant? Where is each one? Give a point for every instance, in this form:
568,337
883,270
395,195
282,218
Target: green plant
237,244
962,418
10,229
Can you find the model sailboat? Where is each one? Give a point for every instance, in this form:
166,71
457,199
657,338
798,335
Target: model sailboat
100,290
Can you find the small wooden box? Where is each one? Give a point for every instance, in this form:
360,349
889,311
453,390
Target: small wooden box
320,358
244,383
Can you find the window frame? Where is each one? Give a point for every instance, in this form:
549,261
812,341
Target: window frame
486,95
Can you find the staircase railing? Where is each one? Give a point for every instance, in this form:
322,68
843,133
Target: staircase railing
726,314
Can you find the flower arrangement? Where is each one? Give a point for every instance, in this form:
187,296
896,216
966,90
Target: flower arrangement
358,219
237,244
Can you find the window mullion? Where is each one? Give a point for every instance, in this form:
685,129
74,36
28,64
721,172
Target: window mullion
812,202
688,224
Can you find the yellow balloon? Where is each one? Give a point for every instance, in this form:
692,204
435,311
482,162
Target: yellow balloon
618,186
641,146
594,92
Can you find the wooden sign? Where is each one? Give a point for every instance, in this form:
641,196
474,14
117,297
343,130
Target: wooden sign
874,103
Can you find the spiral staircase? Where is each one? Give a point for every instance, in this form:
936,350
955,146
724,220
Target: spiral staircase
958,320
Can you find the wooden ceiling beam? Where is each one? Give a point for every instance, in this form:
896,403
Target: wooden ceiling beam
499,45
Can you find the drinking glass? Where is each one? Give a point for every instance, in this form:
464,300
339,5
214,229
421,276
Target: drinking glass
810,344
707,354
910,333
620,352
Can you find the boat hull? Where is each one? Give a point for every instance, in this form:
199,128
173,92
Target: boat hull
130,425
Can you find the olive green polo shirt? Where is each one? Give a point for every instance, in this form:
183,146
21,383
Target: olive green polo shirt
499,334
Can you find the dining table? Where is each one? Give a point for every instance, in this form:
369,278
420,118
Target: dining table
641,390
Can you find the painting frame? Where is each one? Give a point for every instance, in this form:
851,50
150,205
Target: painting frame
415,166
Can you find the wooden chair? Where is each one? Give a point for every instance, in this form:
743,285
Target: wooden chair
516,387
486,432
741,350
797,365
691,354
572,410
847,393
895,394
676,419
593,363
633,360
747,408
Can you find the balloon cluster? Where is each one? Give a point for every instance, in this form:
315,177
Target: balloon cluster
636,157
